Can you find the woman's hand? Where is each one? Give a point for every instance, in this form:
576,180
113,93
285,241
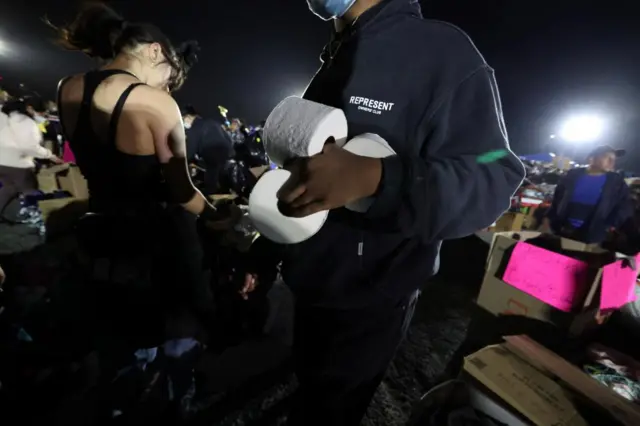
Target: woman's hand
250,284
56,160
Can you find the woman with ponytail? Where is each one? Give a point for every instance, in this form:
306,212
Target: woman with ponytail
127,135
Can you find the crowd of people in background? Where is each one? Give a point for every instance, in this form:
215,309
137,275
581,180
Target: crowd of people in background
25,124
221,154
221,151
149,248
593,203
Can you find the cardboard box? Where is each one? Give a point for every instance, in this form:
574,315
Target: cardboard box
572,377
72,181
494,407
259,171
48,178
509,221
463,393
528,391
47,182
530,221
217,198
500,298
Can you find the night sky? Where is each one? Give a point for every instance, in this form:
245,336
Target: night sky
552,59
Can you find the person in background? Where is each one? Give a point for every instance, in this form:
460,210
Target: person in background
207,145
235,131
21,143
423,87
54,132
589,202
4,97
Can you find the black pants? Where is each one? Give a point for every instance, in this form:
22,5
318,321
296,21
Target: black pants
147,270
15,181
341,358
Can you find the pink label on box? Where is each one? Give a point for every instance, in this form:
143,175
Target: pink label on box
618,285
555,279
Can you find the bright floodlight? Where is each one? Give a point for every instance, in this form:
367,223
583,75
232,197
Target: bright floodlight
582,128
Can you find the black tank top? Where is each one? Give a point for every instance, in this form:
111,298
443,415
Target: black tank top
118,182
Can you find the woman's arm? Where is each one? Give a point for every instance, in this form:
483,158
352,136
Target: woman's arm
165,123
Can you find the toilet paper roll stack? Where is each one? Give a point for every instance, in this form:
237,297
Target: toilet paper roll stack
300,128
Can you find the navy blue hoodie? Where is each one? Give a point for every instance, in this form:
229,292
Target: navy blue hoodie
424,88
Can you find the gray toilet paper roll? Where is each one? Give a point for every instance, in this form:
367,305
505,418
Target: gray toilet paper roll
267,219
299,128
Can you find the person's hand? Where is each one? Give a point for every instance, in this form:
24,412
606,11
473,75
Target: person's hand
328,180
56,160
249,285
2,277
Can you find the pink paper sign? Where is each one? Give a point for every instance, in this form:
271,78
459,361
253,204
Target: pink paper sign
618,285
555,279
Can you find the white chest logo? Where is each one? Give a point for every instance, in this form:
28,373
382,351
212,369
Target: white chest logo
371,105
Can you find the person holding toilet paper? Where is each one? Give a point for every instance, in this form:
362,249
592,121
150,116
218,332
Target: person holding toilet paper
422,87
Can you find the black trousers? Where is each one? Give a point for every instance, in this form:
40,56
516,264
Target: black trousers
341,358
15,181
149,275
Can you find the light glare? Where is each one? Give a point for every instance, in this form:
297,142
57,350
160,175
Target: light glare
4,48
583,128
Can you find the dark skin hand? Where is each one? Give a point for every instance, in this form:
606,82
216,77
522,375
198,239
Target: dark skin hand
328,181
325,181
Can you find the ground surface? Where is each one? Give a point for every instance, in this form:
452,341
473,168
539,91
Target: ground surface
439,328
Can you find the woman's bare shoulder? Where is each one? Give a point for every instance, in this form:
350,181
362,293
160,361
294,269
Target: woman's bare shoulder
153,98
158,106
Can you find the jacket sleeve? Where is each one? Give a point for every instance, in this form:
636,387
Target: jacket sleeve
558,195
465,174
623,208
31,141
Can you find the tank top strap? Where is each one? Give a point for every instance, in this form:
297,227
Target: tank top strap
92,80
117,112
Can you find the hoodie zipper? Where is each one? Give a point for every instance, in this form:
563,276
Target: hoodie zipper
337,39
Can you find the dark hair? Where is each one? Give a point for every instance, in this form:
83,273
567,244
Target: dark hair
36,103
189,110
606,149
20,106
100,32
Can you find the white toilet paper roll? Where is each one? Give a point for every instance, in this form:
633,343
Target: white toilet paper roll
367,145
267,219
299,128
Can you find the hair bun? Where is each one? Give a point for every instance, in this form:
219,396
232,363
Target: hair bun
95,31
188,52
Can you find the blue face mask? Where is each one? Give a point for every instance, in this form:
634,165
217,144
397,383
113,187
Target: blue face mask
330,9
